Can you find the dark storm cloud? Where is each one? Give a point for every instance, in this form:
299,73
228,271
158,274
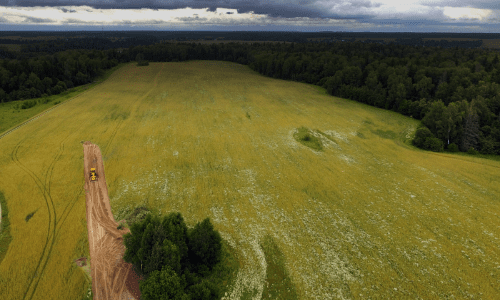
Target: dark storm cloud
68,10
275,8
482,4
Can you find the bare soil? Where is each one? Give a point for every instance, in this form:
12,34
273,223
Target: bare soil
112,277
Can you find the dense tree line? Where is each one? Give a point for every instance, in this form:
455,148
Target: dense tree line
175,262
51,74
455,91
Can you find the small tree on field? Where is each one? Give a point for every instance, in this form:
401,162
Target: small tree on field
176,263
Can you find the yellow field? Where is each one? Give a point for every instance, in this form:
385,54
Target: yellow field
368,217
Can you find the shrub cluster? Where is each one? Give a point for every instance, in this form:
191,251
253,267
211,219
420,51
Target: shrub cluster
176,262
426,140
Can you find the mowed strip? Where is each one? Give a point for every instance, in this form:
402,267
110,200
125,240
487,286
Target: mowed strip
109,271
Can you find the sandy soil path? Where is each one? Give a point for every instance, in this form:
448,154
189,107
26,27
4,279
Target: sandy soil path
112,277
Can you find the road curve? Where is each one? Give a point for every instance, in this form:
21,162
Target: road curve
108,270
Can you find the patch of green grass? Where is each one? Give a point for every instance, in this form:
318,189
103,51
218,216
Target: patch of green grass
387,134
117,113
88,294
278,284
225,271
5,237
304,136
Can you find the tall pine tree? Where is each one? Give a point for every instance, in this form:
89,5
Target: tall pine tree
471,129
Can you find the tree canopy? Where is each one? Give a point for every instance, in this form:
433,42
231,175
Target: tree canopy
176,262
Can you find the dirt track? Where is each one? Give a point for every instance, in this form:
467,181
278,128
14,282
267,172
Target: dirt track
112,278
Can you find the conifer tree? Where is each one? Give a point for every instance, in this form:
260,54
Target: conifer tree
471,129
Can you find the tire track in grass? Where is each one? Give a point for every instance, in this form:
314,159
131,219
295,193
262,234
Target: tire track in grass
44,188
37,181
47,184
155,84
65,215
115,131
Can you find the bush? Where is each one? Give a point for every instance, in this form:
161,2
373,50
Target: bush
143,63
28,104
421,135
433,144
472,151
453,147
138,214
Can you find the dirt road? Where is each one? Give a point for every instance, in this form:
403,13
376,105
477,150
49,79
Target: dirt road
112,278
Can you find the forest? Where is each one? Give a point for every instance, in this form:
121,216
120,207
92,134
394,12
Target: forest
454,91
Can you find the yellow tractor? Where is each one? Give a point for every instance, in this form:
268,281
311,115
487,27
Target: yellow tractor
93,174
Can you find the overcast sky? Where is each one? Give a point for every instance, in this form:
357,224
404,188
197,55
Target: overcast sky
253,15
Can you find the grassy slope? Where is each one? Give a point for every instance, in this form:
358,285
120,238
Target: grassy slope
11,117
369,216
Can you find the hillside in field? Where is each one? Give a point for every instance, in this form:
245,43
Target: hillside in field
367,216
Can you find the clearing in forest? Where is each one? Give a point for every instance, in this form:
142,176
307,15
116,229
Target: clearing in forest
345,206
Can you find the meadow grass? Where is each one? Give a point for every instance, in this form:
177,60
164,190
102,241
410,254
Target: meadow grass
5,236
370,216
11,113
278,284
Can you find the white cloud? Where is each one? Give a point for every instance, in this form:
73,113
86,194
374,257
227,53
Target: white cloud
466,13
408,10
376,10
85,15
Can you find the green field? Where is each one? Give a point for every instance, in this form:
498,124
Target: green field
11,113
365,216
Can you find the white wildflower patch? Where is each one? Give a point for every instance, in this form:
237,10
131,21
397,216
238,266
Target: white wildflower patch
409,131
218,214
324,140
338,135
288,140
250,279
349,160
